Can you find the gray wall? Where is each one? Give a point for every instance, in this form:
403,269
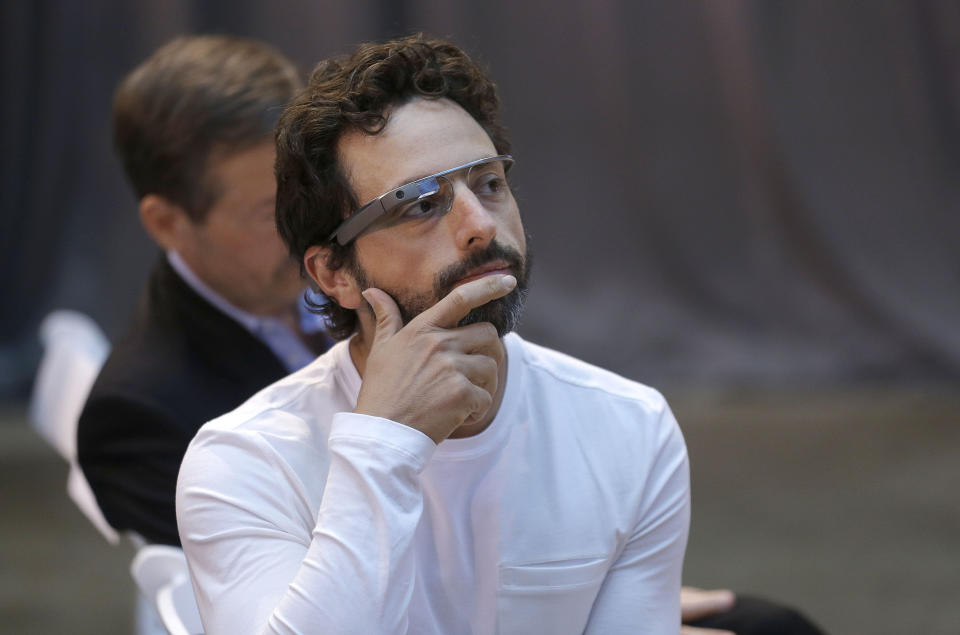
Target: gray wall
720,193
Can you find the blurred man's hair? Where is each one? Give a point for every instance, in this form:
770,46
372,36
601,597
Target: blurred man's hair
195,99
357,92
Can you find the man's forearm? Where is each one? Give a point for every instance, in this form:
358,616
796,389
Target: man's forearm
357,574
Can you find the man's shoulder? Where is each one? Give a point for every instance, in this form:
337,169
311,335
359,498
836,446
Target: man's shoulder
585,379
143,390
154,345
180,358
151,363
597,427
286,423
313,393
143,362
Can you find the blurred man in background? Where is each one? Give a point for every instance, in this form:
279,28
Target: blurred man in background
220,315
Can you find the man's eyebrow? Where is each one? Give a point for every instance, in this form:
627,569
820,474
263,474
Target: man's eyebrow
412,180
429,174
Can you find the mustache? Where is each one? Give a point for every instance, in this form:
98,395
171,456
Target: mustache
446,279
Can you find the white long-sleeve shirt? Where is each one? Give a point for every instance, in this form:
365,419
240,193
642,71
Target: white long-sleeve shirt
569,513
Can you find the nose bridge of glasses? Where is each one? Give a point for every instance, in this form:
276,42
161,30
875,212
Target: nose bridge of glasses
446,183
463,196
462,174
467,184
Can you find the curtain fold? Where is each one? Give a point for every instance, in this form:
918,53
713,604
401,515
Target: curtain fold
718,192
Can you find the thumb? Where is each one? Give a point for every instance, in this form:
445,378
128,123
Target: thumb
697,603
386,312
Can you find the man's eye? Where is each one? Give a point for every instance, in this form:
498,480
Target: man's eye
423,207
490,185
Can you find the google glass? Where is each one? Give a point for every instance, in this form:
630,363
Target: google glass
429,196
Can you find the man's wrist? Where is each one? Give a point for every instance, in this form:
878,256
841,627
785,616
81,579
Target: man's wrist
377,434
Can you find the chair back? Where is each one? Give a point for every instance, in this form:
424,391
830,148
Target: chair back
161,574
74,349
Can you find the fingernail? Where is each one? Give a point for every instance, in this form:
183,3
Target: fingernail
508,281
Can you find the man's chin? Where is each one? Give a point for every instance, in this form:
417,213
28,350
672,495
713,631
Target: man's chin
504,313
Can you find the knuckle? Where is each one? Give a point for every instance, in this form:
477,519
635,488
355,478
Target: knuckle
449,365
462,388
489,366
459,297
431,342
445,338
482,399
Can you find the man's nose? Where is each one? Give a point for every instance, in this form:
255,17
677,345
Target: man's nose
474,225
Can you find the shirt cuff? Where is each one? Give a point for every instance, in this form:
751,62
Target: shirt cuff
377,432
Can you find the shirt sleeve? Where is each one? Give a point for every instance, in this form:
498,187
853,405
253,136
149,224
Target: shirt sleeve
642,588
254,570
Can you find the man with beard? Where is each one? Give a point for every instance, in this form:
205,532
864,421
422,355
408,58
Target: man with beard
433,473
218,318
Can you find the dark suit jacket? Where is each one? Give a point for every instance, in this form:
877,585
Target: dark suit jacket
180,363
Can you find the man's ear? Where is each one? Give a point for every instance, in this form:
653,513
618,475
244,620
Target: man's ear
165,221
337,284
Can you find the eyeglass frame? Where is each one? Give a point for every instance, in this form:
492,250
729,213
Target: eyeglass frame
366,215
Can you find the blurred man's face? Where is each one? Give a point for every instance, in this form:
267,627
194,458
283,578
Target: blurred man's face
236,249
419,261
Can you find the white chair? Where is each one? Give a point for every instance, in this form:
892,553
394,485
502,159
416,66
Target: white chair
160,572
74,351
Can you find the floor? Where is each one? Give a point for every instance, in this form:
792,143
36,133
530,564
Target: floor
843,504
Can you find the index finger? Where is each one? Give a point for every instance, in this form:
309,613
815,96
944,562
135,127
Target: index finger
448,312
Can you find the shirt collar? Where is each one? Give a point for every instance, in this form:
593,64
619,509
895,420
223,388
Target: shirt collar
310,321
248,320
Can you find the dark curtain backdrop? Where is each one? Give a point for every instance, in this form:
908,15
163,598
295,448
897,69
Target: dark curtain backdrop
719,193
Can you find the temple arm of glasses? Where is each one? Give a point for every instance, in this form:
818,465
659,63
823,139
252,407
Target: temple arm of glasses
350,228
369,213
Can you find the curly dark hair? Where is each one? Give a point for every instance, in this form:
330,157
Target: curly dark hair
357,92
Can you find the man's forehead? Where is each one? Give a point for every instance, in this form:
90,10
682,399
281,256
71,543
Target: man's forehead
421,137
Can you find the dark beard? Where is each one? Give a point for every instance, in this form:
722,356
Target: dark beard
504,313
